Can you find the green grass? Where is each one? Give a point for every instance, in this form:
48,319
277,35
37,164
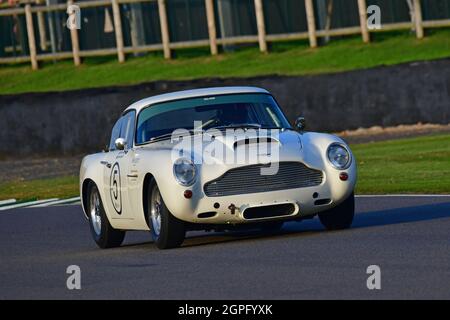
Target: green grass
292,58
63,187
415,165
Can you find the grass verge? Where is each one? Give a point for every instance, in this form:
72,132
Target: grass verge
289,58
413,165
63,187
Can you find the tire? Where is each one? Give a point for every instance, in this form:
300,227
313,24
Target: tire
339,217
103,233
166,230
270,227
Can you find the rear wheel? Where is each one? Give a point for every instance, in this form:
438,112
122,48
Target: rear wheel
103,233
167,231
339,217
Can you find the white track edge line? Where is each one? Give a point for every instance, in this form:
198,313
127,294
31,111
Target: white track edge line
62,201
26,204
7,201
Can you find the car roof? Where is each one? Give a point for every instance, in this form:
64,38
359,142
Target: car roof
192,94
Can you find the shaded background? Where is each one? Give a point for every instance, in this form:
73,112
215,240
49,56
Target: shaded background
38,123
187,21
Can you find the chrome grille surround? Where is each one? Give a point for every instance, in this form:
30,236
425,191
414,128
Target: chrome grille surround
248,179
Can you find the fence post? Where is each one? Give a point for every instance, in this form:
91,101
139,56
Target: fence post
418,19
30,35
311,23
259,9
118,31
75,42
211,26
41,28
362,7
164,28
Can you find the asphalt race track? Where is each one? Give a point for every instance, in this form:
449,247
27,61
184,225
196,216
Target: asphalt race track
407,237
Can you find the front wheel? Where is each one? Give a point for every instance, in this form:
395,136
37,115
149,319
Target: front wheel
103,233
339,217
167,231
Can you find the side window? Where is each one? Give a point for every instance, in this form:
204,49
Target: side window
115,134
127,129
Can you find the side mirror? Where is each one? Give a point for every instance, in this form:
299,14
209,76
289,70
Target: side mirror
120,143
300,124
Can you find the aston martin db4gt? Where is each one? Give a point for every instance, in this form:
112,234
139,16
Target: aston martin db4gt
213,159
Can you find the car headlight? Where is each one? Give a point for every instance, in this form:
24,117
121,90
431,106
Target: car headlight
339,156
184,171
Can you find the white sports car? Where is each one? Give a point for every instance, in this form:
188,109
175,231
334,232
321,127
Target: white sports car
213,159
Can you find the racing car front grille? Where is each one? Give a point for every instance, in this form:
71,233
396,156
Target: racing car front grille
277,210
248,179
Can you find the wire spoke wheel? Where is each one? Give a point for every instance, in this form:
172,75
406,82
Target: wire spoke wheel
103,233
96,218
155,210
167,231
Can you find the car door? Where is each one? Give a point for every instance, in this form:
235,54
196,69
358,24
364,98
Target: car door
121,178
125,164
112,180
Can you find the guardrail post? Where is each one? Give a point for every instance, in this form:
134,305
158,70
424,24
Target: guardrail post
259,9
362,7
118,31
418,19
30,35
311,23
211,26
75,42
164,28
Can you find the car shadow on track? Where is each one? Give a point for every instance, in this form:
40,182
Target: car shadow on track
402,215
313,226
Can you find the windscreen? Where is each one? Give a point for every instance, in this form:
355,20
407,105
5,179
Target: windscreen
213,112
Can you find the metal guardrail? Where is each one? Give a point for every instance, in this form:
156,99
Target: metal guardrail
167,46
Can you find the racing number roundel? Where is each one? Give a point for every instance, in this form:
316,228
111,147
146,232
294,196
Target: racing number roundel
115,187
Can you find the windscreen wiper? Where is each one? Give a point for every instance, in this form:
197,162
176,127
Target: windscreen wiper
170,134
229,126
276,128
240,125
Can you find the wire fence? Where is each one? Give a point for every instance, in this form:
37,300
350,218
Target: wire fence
37,31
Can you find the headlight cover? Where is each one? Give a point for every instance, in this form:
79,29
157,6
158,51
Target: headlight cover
339,156
184,171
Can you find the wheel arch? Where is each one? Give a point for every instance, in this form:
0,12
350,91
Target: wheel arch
84,194
145,185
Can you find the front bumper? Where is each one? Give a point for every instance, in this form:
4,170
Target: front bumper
231,209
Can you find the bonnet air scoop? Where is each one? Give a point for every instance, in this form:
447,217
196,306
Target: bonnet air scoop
254,140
